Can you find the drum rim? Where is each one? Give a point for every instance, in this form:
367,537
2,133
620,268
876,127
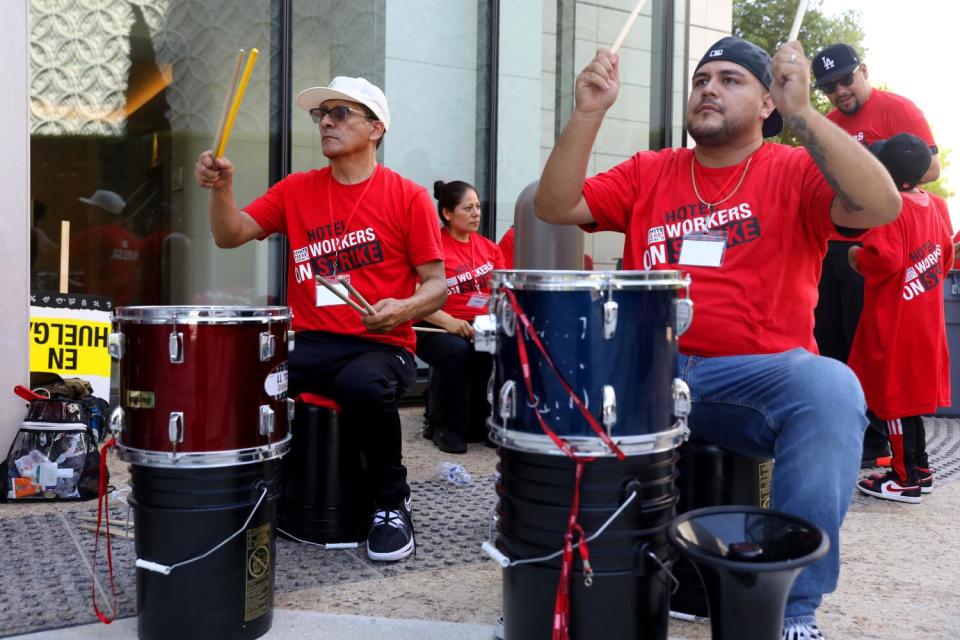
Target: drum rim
201,314
553,279
586,446
207,459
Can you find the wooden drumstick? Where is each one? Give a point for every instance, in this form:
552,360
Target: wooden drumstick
345,281
627,26
797,19
231,91
333,289
64,256
429,329
237,99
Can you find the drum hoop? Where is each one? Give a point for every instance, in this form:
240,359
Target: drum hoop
554,280
201,314
586,446
209,459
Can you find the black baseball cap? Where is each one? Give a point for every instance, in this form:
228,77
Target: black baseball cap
834,62
753,59
905,156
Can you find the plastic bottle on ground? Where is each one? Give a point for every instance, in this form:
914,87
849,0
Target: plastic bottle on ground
455,473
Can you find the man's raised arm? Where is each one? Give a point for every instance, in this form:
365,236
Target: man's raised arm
865,194
559,198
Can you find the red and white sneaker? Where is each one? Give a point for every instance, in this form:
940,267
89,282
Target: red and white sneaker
925,479
889,487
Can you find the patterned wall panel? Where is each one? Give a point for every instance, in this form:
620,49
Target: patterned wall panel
80,61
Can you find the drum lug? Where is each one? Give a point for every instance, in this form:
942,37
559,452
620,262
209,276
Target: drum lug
609,319
115,345
682,314
117,420
508,319
682,404
609,411
266,420
268,346
175,428
175,344
485,333
291,339
291,408
490,383
508,400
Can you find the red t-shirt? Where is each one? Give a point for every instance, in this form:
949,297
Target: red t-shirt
110,256
882,116
469,266
900,349
506,248
378,240
761,299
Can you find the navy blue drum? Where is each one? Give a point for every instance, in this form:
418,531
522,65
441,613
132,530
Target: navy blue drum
612,335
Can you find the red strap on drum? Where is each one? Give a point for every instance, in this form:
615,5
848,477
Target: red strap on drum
561,609
525,366
101,504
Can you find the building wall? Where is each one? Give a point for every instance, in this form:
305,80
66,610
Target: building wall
15,203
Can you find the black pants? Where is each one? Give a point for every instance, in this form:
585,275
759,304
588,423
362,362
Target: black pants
457,395
840,303
908,445
366,378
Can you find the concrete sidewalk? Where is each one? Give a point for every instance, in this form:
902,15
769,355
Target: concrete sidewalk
900,564
300,625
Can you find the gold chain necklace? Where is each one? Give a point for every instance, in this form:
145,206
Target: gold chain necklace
696,192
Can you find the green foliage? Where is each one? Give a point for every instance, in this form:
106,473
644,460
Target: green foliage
767,23
939,186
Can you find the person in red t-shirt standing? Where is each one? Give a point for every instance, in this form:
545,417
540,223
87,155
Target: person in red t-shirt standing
749,221
868,115
900,350
359,220
457,396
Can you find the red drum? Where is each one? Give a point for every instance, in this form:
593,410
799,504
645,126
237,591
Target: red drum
202,386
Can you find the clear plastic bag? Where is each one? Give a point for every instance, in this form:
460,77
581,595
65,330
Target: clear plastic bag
53,457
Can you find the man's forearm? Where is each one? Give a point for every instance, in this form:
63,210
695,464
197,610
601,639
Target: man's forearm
429,296
860,181
225,222
561,183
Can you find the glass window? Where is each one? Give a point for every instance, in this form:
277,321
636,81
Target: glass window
124,97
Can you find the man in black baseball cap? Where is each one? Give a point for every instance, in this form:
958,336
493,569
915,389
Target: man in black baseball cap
748,220
756,61
835,63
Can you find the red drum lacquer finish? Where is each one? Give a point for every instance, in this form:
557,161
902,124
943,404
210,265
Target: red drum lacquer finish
213,379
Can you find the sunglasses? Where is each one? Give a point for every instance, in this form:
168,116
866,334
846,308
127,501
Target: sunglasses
845,81
338,114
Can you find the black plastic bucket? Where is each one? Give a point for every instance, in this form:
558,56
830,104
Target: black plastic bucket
630,592
326,496
180,513
710,476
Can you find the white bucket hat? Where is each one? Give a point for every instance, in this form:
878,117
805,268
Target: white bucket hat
346,88
106,200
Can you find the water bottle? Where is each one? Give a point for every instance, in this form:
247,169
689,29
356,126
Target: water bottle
455,473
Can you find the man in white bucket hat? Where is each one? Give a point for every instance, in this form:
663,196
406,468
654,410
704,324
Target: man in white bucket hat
360,221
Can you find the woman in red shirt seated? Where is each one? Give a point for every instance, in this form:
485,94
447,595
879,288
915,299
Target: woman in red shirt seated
457,400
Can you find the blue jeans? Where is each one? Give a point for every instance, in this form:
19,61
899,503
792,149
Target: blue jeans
807,412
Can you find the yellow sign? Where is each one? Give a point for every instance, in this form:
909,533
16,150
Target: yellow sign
69,335
69,346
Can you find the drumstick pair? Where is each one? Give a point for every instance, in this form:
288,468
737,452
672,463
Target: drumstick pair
238,87
365,310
